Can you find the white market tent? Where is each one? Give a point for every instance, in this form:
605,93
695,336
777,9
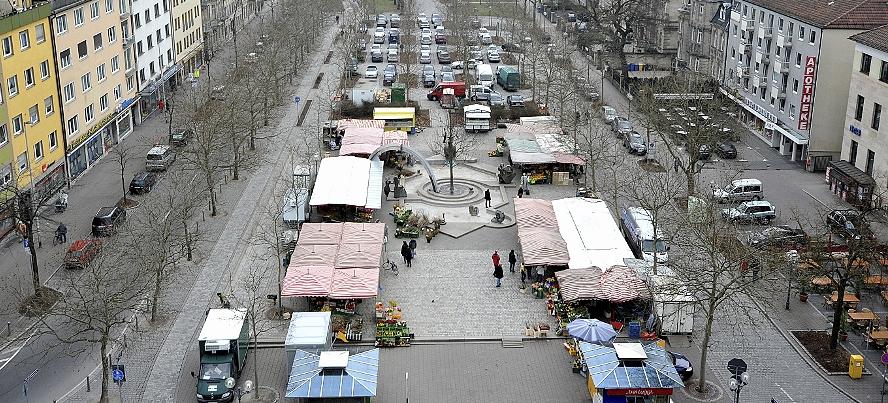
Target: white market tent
590,232
350,181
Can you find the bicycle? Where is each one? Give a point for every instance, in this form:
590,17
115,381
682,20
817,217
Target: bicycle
390,265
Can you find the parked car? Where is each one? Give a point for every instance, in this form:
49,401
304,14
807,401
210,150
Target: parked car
847,223
493,56
608,113
780,236
82,252
428,76
486,39
395,21
425,39
371,72
705,152
437,19
515,101
159,158
440,39
682,365
496,99
425,57
393,56
107,220
726,150
751,211
179,137
447,77
389,74
634,141
425,24
512,47
421,16
142,182
443,56
621,126
739,190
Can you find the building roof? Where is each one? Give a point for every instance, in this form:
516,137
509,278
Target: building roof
875,38
841,14
717,19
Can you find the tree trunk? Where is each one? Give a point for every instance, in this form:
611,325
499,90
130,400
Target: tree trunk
155,296
838,308
212,191
35,269
255,357
122,180
692,179
103,398
704,347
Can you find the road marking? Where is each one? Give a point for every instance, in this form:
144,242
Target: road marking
816,199
784,392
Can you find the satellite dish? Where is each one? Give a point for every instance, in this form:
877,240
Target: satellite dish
230,382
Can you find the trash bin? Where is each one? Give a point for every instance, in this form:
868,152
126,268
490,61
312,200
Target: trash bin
855,366
634,330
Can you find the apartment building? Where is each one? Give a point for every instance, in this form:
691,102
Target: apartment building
787,67
653,48
222,19
864,143
187,36
91,63
718,41
155,63
695,50
30,126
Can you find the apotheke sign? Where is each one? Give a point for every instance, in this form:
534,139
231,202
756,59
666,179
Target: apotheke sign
807,93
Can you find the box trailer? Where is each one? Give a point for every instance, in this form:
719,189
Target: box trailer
476,118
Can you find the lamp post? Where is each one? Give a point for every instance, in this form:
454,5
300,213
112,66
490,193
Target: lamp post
239,391
737,384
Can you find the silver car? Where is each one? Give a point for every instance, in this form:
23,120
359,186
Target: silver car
635,143
495,99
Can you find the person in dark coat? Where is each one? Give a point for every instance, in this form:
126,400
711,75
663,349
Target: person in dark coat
520,192
387,189
498,273
412,245
406,253
512,261
487,198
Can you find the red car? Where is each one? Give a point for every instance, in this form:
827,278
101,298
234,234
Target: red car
82,252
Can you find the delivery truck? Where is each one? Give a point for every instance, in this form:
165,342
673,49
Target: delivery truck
223,343
477,118
508,77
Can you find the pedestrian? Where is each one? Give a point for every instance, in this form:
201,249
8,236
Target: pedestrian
387,189
675,165
523,276
495,258
337,19
406,254
525,183
62,233
520,192
541,273
413,248
512,261
487,198
498,273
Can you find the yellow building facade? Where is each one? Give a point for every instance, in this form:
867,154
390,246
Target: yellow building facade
29,118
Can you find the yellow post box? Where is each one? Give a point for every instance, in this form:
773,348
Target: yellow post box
855,366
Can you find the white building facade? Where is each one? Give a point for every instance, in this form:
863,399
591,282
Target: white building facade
187,37
155,62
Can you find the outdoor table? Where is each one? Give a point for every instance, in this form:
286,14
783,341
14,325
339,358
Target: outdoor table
821,281
876,279
849,299
808,264
862,316
879,335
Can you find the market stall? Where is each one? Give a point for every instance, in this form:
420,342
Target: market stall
590,233
396,118
334,376
628,372
616,295
850,183
320,233
391,329
347,189
307,281
308,331
538,236
537,146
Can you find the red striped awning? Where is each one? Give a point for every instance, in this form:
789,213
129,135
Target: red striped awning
314,255
359,255
320,233
538,234
307,281
355,232
616,284
355,283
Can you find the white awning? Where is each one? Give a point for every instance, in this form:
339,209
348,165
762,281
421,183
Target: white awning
587,227
794,137
345,180
374,186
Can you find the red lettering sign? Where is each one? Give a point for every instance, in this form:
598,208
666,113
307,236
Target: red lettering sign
807,93
640,392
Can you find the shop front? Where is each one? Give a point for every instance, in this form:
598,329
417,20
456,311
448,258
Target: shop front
850,183
84,151
628,373
154,96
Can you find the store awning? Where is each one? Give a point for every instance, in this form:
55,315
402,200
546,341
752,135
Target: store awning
320,233
535,213
346,123
355,284
616,284
353,232
586,225
564,158
309,380
518,157
578,284
353,255
541,244
800,139
314,255
346,181
853,173
307,281
609,372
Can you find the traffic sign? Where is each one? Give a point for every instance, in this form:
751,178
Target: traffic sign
736,367
885,358
118,373
297,99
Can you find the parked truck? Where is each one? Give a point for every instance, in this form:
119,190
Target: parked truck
477,118
637,226
223,343
508,77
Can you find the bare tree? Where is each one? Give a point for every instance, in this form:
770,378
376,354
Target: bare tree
618,20
455,145
251,297
122,155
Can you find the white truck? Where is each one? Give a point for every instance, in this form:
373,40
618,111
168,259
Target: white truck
484,75
637,226
477,118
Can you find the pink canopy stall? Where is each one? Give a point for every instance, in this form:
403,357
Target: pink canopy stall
361,140
354,232
359,255
355,283
314,255
541,243
320,233
307,281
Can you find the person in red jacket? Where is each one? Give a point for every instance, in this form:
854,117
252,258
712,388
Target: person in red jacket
496,259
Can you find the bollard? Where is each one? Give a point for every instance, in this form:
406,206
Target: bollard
87,384
137,323
9,328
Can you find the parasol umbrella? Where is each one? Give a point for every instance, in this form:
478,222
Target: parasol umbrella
591,330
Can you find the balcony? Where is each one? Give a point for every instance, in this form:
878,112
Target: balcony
744,48
784,41
764,32
757,81
742,71
128,41
125,14
780,66
747,24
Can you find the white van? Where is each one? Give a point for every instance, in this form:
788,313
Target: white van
739,190
637,225
159,158
484,75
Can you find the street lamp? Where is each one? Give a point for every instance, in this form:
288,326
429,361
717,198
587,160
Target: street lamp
239,390
737,384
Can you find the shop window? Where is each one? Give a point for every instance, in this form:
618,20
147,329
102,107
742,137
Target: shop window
870,161
877,116
852,154
858,109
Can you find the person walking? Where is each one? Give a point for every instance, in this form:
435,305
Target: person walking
62,233
512,261
520,192
387,189
523,276
487,198
496,258
406,254
525,183
676,164
412,245
498,273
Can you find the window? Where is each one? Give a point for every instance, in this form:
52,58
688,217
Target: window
12,86
115,64
38,151
877,116
150,42
61,24
780,24
69,92
147,16
100,72
18,125
103,102
33,114
94,10
112,34
86,82
870,161
65,58
813,36
72,125
166,30
792,111
883,72
798,59
40,33
801,32
138,21
78,17
117,92
130,83
53,140
29,77
139,49
24,40
81,49
97,41
89,113
48,107
7,46
109,6
858,110
852,155
159,37
156,10
4,134
865,62
22,162
44,69
5,174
